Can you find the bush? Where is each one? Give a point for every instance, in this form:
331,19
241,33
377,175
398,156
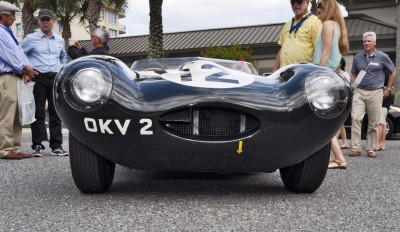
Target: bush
234,52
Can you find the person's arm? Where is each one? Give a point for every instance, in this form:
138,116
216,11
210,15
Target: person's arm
392,77
277,61
327,37
352,78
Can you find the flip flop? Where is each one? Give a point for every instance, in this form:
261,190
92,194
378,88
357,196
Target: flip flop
380,149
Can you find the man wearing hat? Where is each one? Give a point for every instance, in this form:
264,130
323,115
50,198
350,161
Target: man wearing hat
14,65
46,52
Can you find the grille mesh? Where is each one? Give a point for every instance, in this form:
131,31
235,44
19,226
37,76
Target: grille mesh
212,122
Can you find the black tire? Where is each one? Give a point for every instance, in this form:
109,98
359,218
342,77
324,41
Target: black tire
307,176
389,128
91,172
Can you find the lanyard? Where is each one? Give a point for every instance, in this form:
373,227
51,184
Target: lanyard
373,58
296,27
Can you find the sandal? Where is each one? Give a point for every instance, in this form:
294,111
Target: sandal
344,147
337,164
381,148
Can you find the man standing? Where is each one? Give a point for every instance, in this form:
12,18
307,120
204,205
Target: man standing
13,65
99,39
298,36
46,52
368,71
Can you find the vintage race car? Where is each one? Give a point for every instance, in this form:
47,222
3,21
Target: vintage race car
201,115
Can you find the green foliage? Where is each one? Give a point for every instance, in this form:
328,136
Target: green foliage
234,52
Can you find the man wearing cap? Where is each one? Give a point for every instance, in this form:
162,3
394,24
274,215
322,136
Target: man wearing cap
14,65
46,52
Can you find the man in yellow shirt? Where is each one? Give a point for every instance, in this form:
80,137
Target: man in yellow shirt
298,36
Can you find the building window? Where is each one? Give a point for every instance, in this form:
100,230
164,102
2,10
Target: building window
60,28
113,33
19,29
112,17
18,14
101,15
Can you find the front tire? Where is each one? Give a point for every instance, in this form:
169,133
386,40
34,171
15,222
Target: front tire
91,172
307,176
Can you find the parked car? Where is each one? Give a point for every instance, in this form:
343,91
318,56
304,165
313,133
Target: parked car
392,123
200,115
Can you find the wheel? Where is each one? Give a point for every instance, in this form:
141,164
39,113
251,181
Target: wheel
307,176
389,128
91,172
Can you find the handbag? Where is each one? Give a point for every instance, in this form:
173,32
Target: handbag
26,102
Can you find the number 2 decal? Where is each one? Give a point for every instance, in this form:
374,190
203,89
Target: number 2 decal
146,128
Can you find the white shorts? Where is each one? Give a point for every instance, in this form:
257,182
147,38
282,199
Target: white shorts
382,120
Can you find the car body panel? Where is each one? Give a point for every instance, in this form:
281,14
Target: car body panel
129,128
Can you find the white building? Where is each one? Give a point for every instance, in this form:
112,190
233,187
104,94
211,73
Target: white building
109,19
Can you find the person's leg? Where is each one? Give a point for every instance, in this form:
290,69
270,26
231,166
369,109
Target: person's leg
339,161
8,109
357,115
56,137
343,136
37,127
382,129
374,105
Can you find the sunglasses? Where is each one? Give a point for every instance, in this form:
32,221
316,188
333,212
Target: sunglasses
296,1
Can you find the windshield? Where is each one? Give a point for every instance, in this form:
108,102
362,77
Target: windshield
177,63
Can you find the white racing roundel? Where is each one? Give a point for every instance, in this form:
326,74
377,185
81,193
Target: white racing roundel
208,75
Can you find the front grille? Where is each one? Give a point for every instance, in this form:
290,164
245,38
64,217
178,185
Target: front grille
209,122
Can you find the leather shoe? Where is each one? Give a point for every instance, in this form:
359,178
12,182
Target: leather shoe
24,155
12,155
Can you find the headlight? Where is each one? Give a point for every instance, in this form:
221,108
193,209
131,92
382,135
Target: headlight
327,93
88,86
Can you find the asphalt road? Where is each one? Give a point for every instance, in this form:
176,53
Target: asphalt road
38,194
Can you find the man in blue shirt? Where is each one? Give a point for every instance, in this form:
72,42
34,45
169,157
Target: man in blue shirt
13,66
46,52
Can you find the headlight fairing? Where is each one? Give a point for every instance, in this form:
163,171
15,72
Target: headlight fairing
327,93
88,86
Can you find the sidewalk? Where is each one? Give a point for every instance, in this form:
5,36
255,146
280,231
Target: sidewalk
28,130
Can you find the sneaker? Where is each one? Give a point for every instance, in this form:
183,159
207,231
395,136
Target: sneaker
371,154
59,152
37,151
355,153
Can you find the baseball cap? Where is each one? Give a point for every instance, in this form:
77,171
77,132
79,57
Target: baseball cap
44,13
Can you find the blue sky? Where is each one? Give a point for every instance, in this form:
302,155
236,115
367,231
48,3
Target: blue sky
186,15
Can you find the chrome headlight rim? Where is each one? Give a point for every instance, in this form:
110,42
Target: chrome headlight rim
75,80
327,93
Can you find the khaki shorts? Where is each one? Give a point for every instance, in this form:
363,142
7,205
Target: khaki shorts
382,120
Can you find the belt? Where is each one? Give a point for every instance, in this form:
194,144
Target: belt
48,74
370,89
12,73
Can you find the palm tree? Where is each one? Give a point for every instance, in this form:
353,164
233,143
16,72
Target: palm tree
92,9
64,12
29,23
155,48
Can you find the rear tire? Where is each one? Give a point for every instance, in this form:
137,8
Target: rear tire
91,172
307,176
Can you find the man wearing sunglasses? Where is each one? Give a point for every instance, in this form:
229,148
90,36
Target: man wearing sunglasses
298,36
46,52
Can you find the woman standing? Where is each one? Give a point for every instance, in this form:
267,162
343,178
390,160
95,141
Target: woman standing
329,47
